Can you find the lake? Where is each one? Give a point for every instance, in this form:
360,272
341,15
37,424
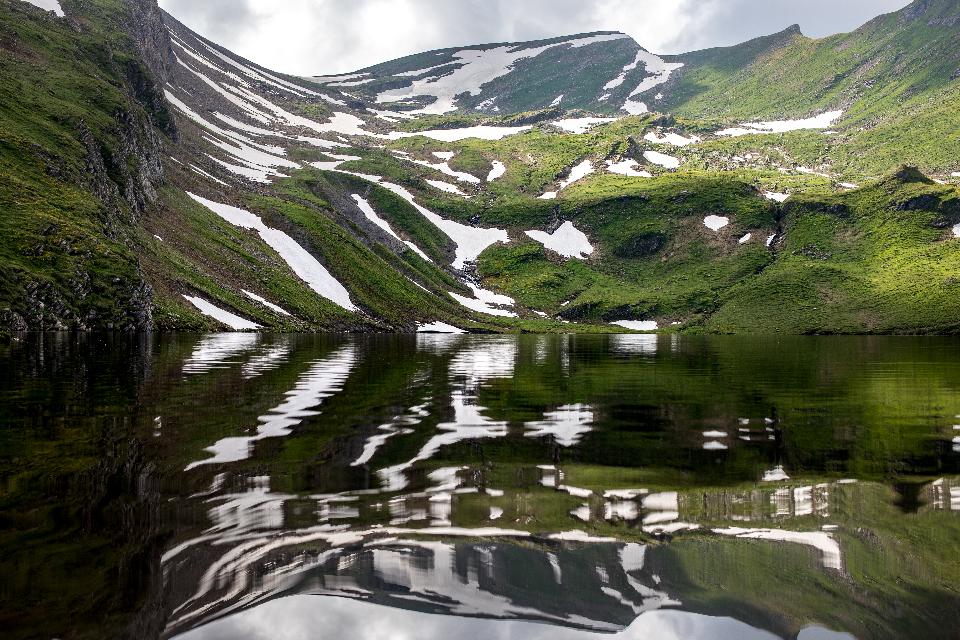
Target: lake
246,486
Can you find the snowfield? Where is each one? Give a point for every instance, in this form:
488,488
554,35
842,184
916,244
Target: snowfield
567,241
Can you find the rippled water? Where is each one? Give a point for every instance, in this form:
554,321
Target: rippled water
633,486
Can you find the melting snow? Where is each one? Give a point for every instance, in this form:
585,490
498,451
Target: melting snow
471,69
956,231
776,197
556,101
821,121
745,239
580,125
658,73
297,258
671,138
49,5
715,223
627,168
486,302
567,241
637,325
372,216
470,241
235,322
447,188
444,168
579,172
264,302
481,132
496,171
661,159
439,327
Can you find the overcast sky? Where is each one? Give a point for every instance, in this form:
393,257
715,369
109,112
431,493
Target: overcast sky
313,37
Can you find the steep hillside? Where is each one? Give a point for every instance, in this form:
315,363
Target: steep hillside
159,180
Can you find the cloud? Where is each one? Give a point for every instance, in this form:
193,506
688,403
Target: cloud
311,37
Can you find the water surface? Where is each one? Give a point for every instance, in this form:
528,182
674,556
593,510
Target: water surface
268,486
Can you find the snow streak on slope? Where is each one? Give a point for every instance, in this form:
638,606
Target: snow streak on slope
296,257
470,241
474,68
372,216
235,322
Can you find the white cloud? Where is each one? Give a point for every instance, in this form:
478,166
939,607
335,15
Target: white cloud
312,37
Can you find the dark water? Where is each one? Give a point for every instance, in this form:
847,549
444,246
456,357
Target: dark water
287,487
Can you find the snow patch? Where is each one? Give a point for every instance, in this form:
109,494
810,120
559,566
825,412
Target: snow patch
579,172
637,325
567,241
264,302
49,5
487,302
672,139
661,159
627,168
715,223
777,474
658,73
439,327
481,132
446,187
821,121
776,197
497,170
580,125
235,322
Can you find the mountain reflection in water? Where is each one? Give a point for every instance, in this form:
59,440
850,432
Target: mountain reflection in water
256,486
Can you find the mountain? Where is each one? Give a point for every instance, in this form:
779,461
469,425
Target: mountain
154,179
599,71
